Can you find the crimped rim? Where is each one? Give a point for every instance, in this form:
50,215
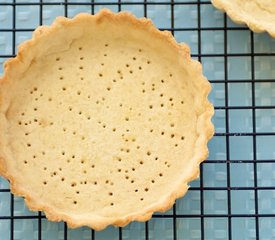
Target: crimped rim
205,129
237,16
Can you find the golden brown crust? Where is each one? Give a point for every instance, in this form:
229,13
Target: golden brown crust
253,14
205,129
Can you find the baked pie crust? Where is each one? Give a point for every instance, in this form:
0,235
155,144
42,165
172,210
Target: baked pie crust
103,120
258,15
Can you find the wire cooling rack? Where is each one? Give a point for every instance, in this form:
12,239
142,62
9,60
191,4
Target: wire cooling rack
235,195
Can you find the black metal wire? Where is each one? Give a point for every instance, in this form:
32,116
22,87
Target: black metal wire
227,131
201,166
192,55
146,231
65,231
119,5
120,233
93,234
175,222
64,2
93,231
172,24
172,29
169,216
226,108
205,189
66,15
13,52
146,223
254,136
12,217
39,232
